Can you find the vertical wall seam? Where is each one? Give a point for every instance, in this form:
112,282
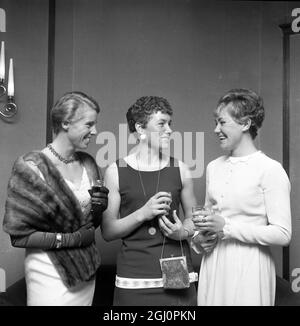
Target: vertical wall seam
51,63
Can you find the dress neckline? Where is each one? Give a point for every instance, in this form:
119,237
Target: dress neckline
80,182
136,170
246,158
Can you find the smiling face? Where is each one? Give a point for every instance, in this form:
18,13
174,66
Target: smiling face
158,130
229,132
82,127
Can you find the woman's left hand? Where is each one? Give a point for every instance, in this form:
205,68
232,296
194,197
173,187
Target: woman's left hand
214,223
99,200
171,230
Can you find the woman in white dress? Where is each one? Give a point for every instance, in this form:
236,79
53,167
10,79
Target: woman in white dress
250,196
50,212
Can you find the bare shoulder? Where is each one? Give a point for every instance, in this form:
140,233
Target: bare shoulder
184,169
111,176
111,170
131,160
185,172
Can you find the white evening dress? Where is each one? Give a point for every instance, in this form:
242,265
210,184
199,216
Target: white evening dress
44,285
252,193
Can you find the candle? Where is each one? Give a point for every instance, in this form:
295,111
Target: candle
10,85
2,61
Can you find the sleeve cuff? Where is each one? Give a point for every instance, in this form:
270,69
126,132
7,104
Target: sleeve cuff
226,233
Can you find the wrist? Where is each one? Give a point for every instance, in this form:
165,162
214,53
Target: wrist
187,232
140,216
224,233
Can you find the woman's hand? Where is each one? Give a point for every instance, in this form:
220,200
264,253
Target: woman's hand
159,204
99,199
212,223
205,242
173,230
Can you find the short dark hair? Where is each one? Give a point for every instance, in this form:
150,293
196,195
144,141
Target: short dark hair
66,107
243,104
143,108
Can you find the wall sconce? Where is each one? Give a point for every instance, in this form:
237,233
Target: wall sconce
10,108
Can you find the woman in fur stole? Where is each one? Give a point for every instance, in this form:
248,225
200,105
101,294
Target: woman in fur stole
50,212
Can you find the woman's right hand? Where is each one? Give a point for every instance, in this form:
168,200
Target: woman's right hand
87,234
159,204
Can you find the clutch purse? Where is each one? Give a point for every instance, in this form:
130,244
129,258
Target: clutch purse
175,273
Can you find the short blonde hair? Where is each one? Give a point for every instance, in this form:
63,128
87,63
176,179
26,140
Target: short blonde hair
243,104
65,108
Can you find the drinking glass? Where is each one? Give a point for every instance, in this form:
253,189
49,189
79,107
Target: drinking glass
202,210
96,186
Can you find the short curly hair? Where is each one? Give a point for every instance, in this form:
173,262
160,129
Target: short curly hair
143,108
66,107
243,104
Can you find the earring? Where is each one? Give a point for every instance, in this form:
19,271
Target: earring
142,137
65,125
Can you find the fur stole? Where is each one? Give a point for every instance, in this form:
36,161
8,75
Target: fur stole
50,206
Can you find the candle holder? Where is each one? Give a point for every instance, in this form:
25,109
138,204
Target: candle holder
9,109
2,88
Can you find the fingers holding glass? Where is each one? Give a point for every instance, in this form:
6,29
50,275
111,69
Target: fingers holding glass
201,215
165,200
168,202
99,196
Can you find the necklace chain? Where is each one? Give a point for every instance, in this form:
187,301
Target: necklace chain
144,191
141,180
62,159
152,229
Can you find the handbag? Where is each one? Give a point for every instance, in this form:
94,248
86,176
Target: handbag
174,270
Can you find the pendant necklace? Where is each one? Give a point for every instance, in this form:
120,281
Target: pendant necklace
151,230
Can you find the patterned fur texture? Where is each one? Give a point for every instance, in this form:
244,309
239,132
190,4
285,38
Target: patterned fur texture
35,205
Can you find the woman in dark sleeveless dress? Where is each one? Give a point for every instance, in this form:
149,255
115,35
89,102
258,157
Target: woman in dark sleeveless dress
146,190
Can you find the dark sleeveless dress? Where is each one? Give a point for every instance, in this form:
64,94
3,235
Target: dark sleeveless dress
140,252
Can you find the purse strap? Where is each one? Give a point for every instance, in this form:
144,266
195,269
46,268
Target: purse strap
163,247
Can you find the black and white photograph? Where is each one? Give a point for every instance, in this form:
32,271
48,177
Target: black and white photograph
149,156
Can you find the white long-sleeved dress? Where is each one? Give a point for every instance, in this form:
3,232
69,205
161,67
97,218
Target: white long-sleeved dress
252,193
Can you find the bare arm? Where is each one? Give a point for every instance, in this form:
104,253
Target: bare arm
182,229
114,227
188,199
